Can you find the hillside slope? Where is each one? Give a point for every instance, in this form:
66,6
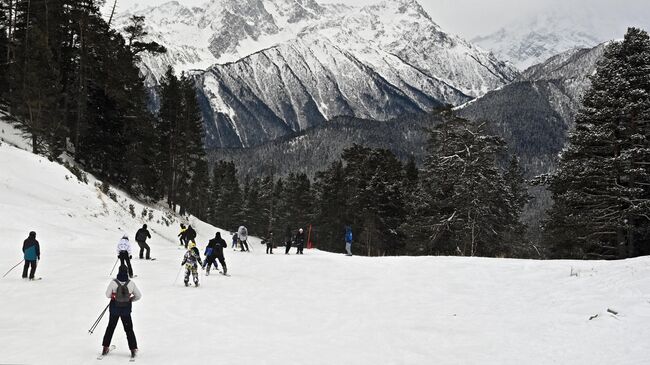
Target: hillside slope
318,308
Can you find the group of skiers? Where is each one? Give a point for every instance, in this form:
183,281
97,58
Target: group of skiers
123,291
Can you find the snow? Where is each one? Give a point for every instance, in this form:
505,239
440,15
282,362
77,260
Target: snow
319,308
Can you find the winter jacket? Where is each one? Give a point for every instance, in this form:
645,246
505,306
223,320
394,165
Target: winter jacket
191,257
124,245
235,237
348,235
218,244
31,249
300,238
243,233
190,233
183,233
142,235
112,289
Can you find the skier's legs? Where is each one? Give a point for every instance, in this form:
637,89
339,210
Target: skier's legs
127,260
33,270
287,247
187,274
348,248
25,267
222,260
141,249
244,244
195,275
108,335
146,247
127,322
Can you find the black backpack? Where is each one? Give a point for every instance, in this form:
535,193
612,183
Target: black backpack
122,295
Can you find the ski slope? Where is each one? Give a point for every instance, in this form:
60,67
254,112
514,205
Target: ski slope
318,308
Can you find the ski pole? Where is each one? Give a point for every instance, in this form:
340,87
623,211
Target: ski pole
179,272
21,261
113,269
92,328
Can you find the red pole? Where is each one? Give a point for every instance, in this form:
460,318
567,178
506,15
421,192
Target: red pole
309,245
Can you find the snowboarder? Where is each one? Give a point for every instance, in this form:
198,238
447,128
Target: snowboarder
300,241
348,240
210,256
124,253
190,260
182,235
242,233
141,238
122,293
190,235
217,251
32,254
235,239
269,243
287,241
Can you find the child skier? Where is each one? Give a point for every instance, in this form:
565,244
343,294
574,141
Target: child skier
124,253
190,260
210,257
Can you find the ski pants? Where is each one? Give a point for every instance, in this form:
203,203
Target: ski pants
222,261
269,248
300,246
244,245
348,248
127,322
29,263
209,261
193,269
144,246
125,260
287,247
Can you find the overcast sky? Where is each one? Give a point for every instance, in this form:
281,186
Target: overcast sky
470,18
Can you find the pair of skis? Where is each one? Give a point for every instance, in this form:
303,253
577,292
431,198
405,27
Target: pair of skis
111,349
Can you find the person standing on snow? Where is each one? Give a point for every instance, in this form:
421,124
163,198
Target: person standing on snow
348,240
210,256
190,235
32,253
141,238
182,235
269,243
300,241
235,239
191,260
287,241
217,251
124,253
242,233
122,293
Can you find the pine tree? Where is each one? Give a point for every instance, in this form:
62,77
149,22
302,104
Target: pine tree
330,208
601,189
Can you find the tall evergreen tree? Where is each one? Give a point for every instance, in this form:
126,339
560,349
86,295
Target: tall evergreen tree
601,189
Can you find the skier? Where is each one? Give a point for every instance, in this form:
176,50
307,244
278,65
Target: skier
141,238
217,251
210,256
287,241
32,254
122,293
190,235
235,239
300,241
124,253
348,240
182,235
269,243
242,233
190,260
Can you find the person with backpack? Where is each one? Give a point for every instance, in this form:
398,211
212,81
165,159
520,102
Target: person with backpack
122,292
191,260
141,238
287,241
124,253
182,235
348,240
190,236
31,254
242,232
269,243
300,241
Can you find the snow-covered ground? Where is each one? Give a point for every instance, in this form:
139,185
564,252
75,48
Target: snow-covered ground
318,308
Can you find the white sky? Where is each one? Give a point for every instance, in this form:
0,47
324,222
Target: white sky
469,18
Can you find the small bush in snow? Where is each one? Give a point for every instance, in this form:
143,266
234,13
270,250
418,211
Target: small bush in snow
132,210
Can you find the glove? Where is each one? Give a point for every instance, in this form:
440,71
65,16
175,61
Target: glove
113,296
130,257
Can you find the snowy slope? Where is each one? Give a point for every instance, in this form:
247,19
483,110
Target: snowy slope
318,308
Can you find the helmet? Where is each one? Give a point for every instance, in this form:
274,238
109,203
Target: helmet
192,244
300,230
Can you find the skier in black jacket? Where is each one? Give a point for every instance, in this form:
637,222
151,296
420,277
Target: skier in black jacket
269,243
217,251
141,238
190,235
300,241
287,241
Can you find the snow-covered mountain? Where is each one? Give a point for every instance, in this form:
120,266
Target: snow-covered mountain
276,66
562,27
